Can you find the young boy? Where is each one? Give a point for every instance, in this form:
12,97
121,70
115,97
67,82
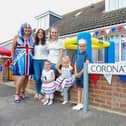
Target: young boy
81,57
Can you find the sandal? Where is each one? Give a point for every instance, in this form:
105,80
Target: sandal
43,100
40,96
22,95
36,96
17,98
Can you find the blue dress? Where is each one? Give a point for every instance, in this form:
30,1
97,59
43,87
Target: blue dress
22,60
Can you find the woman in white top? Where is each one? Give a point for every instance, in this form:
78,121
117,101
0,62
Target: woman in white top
55,48
40,55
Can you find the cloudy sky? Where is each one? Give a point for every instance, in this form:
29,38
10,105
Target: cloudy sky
14,12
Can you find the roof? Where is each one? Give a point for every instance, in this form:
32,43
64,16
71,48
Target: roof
91,17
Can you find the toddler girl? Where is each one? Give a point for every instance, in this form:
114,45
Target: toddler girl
48,86
65,80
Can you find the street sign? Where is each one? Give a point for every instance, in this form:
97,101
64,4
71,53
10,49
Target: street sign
113,68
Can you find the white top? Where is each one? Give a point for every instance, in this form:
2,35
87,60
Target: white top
65,72
40,52
47,75
48,88
54,48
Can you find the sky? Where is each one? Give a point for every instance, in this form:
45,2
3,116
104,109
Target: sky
15,12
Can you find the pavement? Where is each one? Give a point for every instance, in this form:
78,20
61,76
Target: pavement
31,112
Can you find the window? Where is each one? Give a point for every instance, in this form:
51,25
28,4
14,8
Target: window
120,47
114,4
98,55
122,3
116,40
123,48
111,5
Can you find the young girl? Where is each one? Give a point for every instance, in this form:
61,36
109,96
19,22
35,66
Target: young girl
48,86
65,80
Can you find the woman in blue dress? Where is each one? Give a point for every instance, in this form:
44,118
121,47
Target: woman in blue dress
22,67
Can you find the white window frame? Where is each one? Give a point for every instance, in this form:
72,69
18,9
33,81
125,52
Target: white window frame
109,4
96,52
120,49
120,53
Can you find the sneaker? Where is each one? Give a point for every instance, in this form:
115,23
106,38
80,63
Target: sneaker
50,103
74,107
65,102
81,106
46,102
78,107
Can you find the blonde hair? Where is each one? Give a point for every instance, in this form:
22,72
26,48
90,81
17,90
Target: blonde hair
66,58
49,34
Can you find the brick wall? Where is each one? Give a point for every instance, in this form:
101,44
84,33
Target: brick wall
112,97
103,95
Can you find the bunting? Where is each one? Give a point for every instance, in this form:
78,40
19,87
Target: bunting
102,32
108,77
94,78
96,33
107,31
92,33
119,28
124,27
122,78
113,30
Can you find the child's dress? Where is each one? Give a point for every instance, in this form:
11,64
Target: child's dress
64,82
48,88
66,79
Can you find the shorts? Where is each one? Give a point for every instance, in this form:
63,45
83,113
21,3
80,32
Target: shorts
79,82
